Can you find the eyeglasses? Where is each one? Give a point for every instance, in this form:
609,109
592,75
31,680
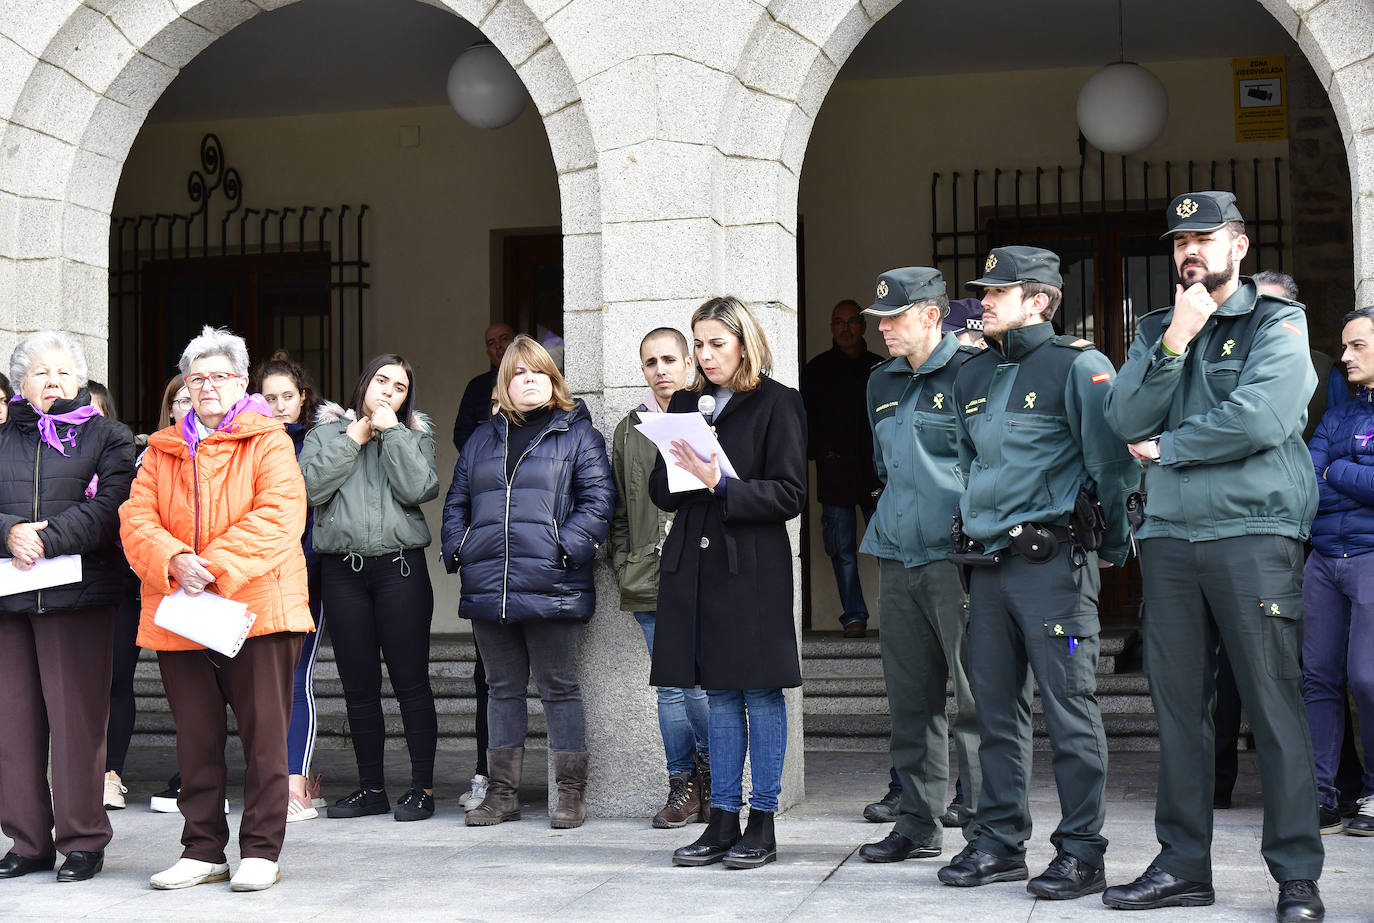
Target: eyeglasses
218,379
851,322
183,402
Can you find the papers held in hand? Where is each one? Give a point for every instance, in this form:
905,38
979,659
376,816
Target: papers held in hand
207,619
45,572
663,429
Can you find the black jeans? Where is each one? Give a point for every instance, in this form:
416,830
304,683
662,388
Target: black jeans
119,729
384,603
546,648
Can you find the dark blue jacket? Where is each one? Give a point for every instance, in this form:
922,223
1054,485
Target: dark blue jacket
525,547
297,433
1343,455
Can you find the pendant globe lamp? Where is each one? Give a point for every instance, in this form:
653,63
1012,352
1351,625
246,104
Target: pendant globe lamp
1123,108
484,89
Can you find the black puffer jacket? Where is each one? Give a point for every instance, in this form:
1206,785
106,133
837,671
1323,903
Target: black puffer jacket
99,448
526,546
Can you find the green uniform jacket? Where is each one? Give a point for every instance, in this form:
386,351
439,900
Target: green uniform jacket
1032,434
916,449
1229,415
367,498
637,526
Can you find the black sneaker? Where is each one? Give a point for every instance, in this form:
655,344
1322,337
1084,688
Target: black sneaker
416,804
165,801
885,811
360,804
951,816
1362,824
1329,820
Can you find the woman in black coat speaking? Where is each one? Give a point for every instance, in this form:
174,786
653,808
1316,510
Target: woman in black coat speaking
725,588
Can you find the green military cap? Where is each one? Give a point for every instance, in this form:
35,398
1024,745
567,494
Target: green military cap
1008,266
1201,211
899,289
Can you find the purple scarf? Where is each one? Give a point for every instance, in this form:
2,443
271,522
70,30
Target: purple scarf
253,402
47,423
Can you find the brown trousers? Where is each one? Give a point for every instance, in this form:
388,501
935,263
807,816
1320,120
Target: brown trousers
257,686
55,685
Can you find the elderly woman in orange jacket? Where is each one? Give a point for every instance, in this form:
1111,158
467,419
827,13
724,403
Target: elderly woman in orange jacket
219,506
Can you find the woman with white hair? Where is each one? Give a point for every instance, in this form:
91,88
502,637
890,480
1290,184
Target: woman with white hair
219,506
64,471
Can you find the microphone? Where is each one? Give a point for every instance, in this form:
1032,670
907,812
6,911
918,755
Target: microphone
706,406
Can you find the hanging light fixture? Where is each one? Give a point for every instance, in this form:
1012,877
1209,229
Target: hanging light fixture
1124,107
484,89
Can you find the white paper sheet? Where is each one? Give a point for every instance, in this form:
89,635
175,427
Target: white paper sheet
208,619
46,572
663,429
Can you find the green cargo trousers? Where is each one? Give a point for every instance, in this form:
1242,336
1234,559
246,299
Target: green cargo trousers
1247,590
923,642
1041,616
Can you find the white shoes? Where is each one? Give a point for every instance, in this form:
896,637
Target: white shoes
114,791
187,873
475,795
255,875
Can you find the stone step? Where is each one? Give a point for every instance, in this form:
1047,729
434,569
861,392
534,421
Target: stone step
832,645
873,666
860,685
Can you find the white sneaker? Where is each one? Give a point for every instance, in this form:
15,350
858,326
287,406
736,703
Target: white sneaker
114,791
188,873
474,795
255,875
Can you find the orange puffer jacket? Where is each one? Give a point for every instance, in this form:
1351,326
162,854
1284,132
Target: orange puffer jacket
240,504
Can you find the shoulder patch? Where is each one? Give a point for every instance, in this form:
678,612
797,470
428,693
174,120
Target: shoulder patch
1074,342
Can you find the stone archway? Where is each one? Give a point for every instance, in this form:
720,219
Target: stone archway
80,80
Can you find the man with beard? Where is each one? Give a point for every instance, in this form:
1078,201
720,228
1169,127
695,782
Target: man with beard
1044,506
1213,397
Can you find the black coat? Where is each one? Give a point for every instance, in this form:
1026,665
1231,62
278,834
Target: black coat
100,448
834,388
526,546
742,579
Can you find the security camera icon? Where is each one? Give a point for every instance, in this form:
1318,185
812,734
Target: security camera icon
1259,93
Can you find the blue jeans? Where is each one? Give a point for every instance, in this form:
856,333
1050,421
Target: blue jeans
1337,652
756,718
839,533
682,714
300,735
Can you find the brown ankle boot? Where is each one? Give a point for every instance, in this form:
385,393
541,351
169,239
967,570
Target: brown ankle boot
503,788
701,780
570,772
683,805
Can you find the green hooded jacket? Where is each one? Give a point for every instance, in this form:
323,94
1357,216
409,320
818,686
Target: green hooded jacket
637,526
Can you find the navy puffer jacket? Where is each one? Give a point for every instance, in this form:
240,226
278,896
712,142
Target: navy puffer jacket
1343,455
525,548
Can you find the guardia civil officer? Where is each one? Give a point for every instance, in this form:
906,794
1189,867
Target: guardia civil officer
1045,498
1214,397
921,604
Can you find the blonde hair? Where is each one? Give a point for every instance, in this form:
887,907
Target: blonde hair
757,360
525,351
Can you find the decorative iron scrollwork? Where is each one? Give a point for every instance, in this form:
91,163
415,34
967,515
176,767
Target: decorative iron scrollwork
201,186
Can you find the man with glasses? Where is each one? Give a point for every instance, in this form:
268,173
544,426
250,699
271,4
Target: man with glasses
474,409
833,386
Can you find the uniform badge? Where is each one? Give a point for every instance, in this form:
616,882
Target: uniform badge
1274,609
1101,377
1059,629
1030,401
938,401
1186,209
882,288
1227,347
991,264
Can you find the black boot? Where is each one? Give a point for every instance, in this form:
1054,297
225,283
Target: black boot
758,846
702,780
722,832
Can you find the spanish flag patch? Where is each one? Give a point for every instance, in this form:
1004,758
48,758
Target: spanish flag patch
1292,328
1101,377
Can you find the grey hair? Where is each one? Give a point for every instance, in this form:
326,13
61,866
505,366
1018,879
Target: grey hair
35,344
1282,279
216,342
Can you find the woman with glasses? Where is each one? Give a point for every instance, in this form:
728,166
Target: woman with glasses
64,471
529,506
218,506
725,589
368,469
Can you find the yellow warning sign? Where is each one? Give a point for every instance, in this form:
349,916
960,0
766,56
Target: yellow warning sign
1261,96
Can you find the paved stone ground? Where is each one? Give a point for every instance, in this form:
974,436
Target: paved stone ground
374,868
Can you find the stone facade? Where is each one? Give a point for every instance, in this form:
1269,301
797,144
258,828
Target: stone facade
678,129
